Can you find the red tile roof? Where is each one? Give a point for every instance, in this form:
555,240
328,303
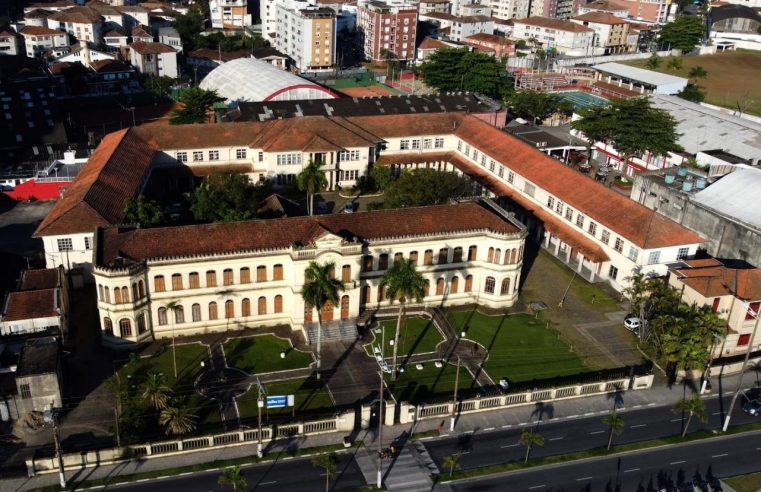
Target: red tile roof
7,32
483,37
96,198
430,43
717,281
609,5
43,278
77,15
215,55
40,31
255,235
151,48
30,304
600,18
557,24
103,66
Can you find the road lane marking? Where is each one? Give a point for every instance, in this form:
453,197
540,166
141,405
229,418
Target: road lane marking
720,455
509,446
677,462
572,416
275,481
637,406
588,414
489,429
632,470
675,420
537,487
597,432
507,426
651,404
583,479
716,413
555,438
638,425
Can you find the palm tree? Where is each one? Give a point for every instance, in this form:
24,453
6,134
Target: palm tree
451,461
529,438
155,391
311,179
177,420
173,306
695,406
328,462
402,282
233,477
697,72
616,424
675,63
319,289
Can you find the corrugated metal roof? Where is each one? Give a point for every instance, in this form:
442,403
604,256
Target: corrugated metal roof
735,195
639,74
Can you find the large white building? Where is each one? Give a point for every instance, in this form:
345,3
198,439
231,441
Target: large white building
231,275
307,34
510,9
457,28
562,36
229,14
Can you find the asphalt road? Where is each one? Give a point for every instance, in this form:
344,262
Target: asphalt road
640,471
568,436
288,475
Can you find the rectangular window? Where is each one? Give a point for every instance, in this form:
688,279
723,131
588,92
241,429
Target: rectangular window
182,156
592,228
605,236
438,143
618,245
197,156
579,220
613,272
65,244
404,144
569,213
559,207
501,171
459,145
26,391
427,142
633,253
654,257
550,202
529,189
475,156
416,144
511,177
752,311
682,253
88,243
213,155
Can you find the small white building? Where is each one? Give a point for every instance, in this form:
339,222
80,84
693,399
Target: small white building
639,79
306,34
170,37
30,311
81,22
456,28
9,42
37,40
229,14
563,36
156,59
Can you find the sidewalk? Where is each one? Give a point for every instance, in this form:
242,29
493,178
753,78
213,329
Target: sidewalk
659,395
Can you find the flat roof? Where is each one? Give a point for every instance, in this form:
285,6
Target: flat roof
39,356
642,75
735,195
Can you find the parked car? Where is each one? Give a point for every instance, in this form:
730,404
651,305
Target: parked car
322,208
753,408
633,323
349,208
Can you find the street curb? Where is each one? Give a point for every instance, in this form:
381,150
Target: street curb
595,458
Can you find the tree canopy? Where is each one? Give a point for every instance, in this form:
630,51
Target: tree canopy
419,187
224,197
538,106
683,34
457,69
196,104
143,211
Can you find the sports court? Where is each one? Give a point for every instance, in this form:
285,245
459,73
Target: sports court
583,100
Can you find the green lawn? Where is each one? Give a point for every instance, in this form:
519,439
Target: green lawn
261,353
416,336
521,348
429,384
591,294
311,397
745,483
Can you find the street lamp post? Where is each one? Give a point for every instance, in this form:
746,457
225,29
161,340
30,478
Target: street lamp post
742,371
380,431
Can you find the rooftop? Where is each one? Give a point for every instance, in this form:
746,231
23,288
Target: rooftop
151,48
608,5
39,356
40,31
557,24
598,17
208,54
735,195
209,239
30,304
489,38
77,15
642,75
44,278
713,279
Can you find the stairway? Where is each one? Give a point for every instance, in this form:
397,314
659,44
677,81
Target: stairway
332,331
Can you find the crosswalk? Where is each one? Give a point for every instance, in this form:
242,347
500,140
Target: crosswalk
408,472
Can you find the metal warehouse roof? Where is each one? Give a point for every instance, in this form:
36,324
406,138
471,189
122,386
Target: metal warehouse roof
639,74
735,195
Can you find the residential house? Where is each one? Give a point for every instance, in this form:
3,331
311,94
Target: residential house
37,17
611,32
31,311
170,37
134,15
387,30
456,28
54,6
472,9
141,34
112,17
154,59
116,38
271,56
428,6
85,24
9,44
562,36
38,40
500,46
38,377
613,7
430,45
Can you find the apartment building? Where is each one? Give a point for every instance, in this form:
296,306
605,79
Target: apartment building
428,6
9,44
38,40
510,9
457,28
306,34
154,59
611,32
81,22
613,7
562,36
556,9
229,14
387,28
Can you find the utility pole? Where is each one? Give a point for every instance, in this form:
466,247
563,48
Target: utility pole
454,403
744,367
380,431
259,405
116,421
58,452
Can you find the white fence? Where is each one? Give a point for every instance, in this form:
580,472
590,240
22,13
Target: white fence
74,461
594,60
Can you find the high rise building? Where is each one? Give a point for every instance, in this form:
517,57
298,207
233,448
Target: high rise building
388,28
307,34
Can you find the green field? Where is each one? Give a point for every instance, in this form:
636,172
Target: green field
429,384
521,347
261,353
416,336
745,483
732,77
311,396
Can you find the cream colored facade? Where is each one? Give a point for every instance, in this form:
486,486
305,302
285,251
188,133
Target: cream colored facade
262,288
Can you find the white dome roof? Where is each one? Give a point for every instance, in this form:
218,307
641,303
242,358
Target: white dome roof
249,79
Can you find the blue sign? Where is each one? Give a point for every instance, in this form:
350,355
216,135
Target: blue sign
277,401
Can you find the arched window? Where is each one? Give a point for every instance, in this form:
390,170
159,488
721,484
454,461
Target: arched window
141,323
440,286
140,289
367,263
398,257
117,295
513,256
489,286
227,276
134,293
469,283
158,283
454,284
108,327
332,271
245,307
106,295
413,257
308,313
195,312
125,328
278,303
212,310
245,275
261,305
345,307
443,256
365,298
194,280
100,292
125,294
505,289
346,274
261,273
162,316
383,262
497,255
520,253
426,288
428,257
179,314
277,272
490,255
176,281
211,279
457,255
229,309
472,253
381,293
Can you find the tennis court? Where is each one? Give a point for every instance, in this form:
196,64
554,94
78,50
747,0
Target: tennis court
583,100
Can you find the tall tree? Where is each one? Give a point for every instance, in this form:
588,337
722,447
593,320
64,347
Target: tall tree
381,177
311,180
177,420
320,289
329,463
596,123
173,307
196,104
529,439
457,69
233,476
538,106
155,391
693,93
675,63
683,34
403,283
224,197
693,407
143,211
615,425
419,187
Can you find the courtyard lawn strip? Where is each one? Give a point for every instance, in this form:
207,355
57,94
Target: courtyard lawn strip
261,353
312,401
745,483
431,384
520,347
417,335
